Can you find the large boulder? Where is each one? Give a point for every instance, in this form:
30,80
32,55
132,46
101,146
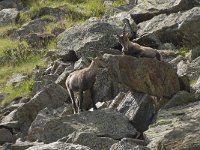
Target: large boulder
34,26
145,75
139,108
53,96
176,28
88,38
146,10
8,16
11,4
102,123
57,13
191,69
176,128
58,146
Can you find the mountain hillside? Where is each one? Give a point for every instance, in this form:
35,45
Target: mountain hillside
135,61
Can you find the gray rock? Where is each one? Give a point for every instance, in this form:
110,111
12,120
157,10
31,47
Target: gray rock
192,70
19,145
67,56
62,78
62,66
176,128
139,108
53,96
117,100
42,82
88,38
3,95
146,10
102,123
176,60
176,28
122,145
83,62
57,13
159,78
8,16
5,136
180,98
11,4
195,52
58,146
91,140
34,26
16,79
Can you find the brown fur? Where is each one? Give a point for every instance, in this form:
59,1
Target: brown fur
82,80
134,49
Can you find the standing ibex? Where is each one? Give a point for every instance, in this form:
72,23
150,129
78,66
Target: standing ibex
134,49
82,80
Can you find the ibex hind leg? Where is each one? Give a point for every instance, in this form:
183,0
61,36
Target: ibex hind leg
71,94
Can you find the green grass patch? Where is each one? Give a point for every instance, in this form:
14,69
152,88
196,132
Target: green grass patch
4,29
23,89
6,44
184,50
118,2
48,18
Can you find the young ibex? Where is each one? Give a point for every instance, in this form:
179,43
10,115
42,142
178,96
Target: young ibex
82,80
134,49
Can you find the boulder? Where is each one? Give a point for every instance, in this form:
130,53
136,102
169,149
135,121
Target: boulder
11,4
191,69
53,96
5,136
139,108
176,60
67,56
57,13
195,52
176,28
180,98
122,145
159,78
117,100
146,10
34,26
91,140
58,146
16,79
8,16
102,123
88,38
176,128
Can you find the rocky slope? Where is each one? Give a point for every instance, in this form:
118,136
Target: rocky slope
142,103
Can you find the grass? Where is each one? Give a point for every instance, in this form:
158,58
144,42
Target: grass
184,50
23,89
5,28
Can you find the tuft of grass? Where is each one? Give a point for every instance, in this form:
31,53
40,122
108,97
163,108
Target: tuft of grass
118,2
23,89
48,18
183,51
4,29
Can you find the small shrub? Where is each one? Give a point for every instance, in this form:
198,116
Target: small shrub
183,51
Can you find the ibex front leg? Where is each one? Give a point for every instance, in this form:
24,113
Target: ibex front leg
92,97
80,101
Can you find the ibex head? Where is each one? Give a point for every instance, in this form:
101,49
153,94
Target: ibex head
124,39
99,60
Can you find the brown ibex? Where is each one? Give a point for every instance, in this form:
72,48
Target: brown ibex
82,80
134,49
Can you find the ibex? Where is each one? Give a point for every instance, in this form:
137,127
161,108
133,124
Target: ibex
134,49
82,80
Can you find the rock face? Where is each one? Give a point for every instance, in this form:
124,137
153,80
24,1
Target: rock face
176,28
97,122
139,108
91,37
146,10
8,16
36,26
52,96
159,78
58,13
176,128
11,4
